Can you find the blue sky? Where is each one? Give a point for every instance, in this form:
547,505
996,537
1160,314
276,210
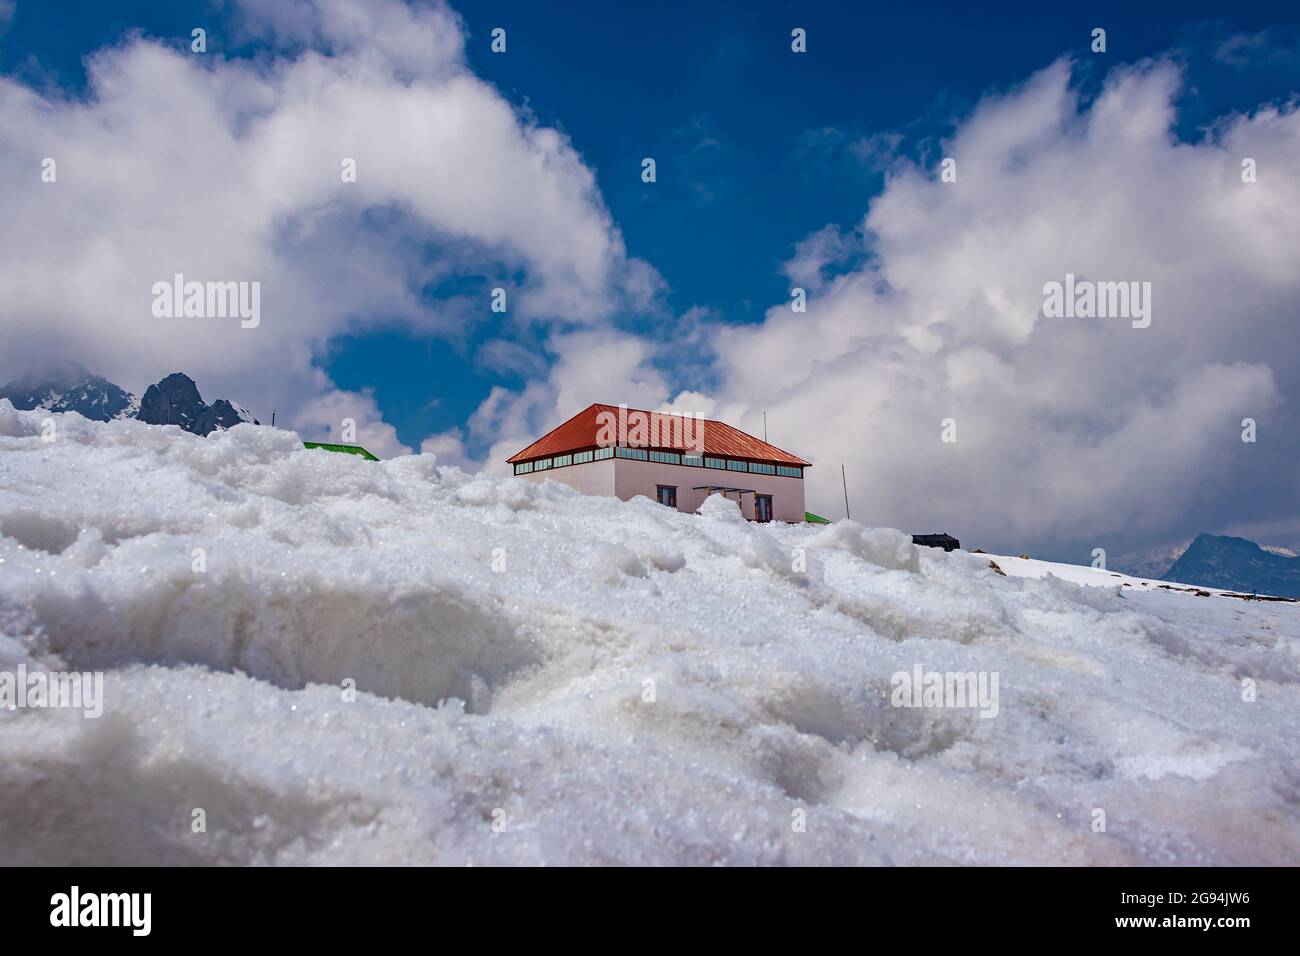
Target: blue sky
768,165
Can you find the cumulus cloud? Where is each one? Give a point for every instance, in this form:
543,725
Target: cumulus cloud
1071,433
333,415
448,447
819,252
1272,46
231,169
595,365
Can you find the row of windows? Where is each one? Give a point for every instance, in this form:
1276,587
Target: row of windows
664,457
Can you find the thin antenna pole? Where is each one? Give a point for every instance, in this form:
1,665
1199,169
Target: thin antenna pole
846,491
273,418
765,426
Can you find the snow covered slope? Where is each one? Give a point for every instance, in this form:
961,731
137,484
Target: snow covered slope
550,678
1100,577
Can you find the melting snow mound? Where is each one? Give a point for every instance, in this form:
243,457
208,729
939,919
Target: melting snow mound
341,661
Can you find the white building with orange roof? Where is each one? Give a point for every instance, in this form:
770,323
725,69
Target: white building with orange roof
677,460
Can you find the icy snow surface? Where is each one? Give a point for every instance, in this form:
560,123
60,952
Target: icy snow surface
607,682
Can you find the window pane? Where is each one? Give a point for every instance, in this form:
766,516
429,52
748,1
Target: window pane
562,460
603,453
582,456
542,464
714,463
695,461
735,466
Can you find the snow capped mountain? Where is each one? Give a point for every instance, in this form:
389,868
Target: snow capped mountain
395,662
1217,561
1240,565
1152,563
173,401
176,401
1281,551
223,414
70,388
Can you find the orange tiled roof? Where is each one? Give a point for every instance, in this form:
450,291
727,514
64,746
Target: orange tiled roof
580,431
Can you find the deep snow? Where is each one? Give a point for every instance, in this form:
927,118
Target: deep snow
504,637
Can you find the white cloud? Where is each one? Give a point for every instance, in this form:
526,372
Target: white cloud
424,41
594,365
688,403
230,170
448,447
878,151
511,358
334,415
1071,433
1268,47
818,252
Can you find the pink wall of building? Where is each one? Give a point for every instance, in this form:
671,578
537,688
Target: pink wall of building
591,477
632,478
626,478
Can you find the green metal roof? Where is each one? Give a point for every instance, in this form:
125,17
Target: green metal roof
341,449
